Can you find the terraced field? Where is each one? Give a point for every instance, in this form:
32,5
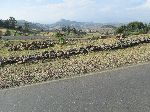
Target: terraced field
12,75
6,44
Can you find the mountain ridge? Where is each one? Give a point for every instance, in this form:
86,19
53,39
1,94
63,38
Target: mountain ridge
64,22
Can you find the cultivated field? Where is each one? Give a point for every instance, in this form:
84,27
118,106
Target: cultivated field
25,62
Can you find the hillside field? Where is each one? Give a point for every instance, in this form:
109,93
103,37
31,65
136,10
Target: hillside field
21,74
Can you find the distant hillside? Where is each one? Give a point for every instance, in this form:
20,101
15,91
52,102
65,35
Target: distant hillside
108,26
78,25
37,26
63,22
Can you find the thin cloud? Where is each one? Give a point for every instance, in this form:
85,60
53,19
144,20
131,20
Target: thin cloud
48,11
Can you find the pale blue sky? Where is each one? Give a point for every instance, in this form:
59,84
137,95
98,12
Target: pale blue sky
103,11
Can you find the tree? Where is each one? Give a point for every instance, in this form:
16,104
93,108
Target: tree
1,23
136,26
133,28
20,28
26,27
75,31
62,40
149,27
6,24
68,30
9,23
60,36
121,29
12,22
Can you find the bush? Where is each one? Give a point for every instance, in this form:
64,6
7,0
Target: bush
133,28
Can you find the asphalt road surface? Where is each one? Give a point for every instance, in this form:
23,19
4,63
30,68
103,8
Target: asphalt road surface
121,90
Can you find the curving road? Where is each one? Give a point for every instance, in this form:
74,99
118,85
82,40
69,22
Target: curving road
121,90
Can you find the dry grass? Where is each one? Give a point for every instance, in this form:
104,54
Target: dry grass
75,44
24,74
29,73
3,30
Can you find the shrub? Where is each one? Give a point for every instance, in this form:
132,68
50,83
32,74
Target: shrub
133,28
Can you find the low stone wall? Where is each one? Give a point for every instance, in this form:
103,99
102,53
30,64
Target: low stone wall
121,44
24,37
35,45
31,46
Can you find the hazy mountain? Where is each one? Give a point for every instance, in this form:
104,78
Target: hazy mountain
79,25
37,26
63,22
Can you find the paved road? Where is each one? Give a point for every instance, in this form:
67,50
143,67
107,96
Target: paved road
123,90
